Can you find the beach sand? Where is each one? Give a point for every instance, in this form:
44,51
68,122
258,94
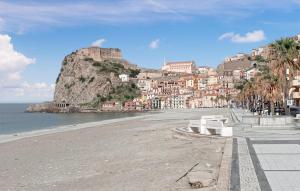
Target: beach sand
134,154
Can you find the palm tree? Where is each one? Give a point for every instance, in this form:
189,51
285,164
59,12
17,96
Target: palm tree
222,98
211,100
217,101
284,55
269,87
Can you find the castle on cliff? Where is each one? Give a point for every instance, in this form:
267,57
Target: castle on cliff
100,54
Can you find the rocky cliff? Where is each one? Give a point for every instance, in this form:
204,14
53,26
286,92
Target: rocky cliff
86,79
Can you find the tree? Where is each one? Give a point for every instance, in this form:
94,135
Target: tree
284,55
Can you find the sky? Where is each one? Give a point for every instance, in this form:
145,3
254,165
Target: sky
35,35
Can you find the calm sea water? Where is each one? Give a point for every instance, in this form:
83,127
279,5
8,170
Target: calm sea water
13,119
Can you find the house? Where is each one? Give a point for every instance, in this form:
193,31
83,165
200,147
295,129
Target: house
250,73
124,77
180,67
130,106
111,106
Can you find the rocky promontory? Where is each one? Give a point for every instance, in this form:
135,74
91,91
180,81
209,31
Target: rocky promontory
90,77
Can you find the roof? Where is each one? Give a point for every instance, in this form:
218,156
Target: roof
179,62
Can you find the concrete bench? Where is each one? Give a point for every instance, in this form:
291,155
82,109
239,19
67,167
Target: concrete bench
217,128
212,127
209,125
194,126
215,117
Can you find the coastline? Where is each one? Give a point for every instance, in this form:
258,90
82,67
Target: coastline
63,128
137,153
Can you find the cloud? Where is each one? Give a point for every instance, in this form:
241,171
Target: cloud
154,44
255,36
12,87
12,63
20,16
99,42
26,92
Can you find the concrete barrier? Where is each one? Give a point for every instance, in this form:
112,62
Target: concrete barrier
253,120
267,120
275,121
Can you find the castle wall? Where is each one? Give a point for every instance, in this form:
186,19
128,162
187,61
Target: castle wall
100,54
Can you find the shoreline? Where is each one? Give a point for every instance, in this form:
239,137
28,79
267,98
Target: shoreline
4,138
140,152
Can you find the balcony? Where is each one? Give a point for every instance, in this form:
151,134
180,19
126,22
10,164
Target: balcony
296,95
296,83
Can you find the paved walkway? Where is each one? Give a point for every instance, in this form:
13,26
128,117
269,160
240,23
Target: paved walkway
265,159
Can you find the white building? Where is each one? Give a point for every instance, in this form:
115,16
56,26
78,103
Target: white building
251,73
212,80
237,57
180,67
145,85
124,77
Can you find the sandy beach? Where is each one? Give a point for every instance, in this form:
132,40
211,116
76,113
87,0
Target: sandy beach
138,153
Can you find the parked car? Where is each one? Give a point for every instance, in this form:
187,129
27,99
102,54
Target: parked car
294,110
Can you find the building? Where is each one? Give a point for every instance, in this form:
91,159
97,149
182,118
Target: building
296,90
129,106
149,74
212,80
111,106
144,85
239,56
180,67
100,54
124,77
250,73
203,70
156,103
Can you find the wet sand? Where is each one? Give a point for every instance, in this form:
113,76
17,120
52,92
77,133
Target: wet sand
140,153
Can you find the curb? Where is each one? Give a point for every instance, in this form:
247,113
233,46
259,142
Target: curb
225,168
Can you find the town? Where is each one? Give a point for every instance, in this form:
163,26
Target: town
183,84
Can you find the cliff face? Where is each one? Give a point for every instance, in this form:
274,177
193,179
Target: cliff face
89,75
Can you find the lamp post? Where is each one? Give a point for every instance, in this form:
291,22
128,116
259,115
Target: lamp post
286,96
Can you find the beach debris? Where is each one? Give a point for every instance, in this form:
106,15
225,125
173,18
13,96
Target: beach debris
187,172
201,179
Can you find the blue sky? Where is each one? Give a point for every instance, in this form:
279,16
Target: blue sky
43,32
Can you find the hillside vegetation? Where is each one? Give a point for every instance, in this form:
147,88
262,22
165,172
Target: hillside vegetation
115,67
122,93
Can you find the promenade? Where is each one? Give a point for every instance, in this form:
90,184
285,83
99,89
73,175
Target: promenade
144,153
265,158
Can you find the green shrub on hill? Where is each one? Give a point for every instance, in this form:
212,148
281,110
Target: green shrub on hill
89,59
109,66
121,93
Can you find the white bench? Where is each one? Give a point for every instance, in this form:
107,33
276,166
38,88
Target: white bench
215,117
194,126
210,124
213,127
218,128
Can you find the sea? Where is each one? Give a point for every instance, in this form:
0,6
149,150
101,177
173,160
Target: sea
14,119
